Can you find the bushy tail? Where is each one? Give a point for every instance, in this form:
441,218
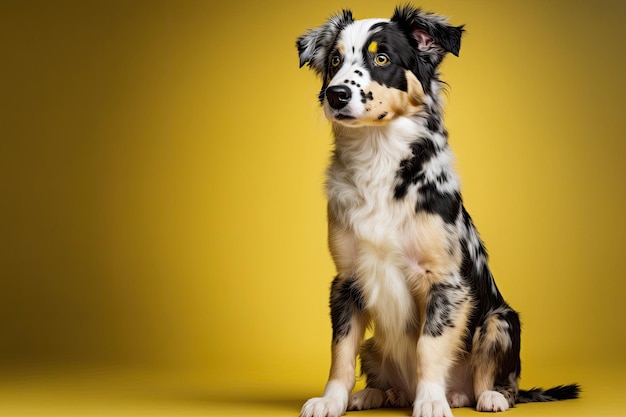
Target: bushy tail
561,392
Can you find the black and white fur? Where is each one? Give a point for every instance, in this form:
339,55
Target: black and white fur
409,260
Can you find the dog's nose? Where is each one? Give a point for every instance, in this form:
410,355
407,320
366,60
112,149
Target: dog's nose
338,96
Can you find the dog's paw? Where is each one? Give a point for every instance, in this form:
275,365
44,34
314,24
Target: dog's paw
431,401
397,398
492,401
322,407
366,399
458,399
435,408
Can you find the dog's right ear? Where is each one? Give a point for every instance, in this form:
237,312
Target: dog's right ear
313,46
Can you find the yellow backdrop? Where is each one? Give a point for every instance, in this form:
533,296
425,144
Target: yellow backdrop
162,167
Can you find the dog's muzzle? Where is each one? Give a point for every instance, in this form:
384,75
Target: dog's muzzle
338,96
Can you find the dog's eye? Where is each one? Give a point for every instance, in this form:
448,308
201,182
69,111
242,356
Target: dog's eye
335,61
381,60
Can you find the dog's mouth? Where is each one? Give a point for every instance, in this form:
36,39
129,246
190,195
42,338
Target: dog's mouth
345,119
342,116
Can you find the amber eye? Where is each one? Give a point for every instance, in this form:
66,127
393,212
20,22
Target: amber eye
335,61
381,60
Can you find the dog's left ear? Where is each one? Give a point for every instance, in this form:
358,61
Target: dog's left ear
432,33
313,46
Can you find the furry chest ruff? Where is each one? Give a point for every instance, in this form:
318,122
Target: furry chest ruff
377,236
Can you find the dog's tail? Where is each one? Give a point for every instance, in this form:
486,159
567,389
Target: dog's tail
561,392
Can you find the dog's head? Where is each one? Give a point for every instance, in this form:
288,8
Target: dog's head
376,70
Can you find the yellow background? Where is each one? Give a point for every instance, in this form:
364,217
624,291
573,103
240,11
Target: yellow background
162,219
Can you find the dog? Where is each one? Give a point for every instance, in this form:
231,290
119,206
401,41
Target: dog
409,260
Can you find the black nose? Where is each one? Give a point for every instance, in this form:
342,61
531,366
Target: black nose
338,96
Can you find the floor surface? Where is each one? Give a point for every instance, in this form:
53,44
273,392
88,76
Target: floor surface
122,393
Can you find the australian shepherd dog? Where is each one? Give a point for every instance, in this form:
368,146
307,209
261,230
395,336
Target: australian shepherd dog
410,263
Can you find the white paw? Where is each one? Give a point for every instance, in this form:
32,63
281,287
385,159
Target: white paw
458,399
367,399
322,407
436,408
492,401
431,401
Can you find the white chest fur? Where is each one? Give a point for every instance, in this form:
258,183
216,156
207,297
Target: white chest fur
374,232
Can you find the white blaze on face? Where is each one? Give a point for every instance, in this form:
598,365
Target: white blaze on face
352,73
370,102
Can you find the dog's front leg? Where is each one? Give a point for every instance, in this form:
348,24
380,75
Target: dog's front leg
346,309
442,332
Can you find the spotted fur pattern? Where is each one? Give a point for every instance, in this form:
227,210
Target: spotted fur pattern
409,260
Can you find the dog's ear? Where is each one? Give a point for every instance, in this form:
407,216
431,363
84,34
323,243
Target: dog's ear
313,46
432,33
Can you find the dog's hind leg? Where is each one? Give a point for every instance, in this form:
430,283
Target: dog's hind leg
348,321
380,378
385,386
366,399
495,360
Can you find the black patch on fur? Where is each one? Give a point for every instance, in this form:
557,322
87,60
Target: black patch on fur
404,54
433,123
366,96
431,199
411,170
346,300
444,204
440,308
510,362
481,290
395,45
448,38
426,73
478,281
561,392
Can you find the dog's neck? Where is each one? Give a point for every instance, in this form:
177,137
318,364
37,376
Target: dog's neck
402,152
399,133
